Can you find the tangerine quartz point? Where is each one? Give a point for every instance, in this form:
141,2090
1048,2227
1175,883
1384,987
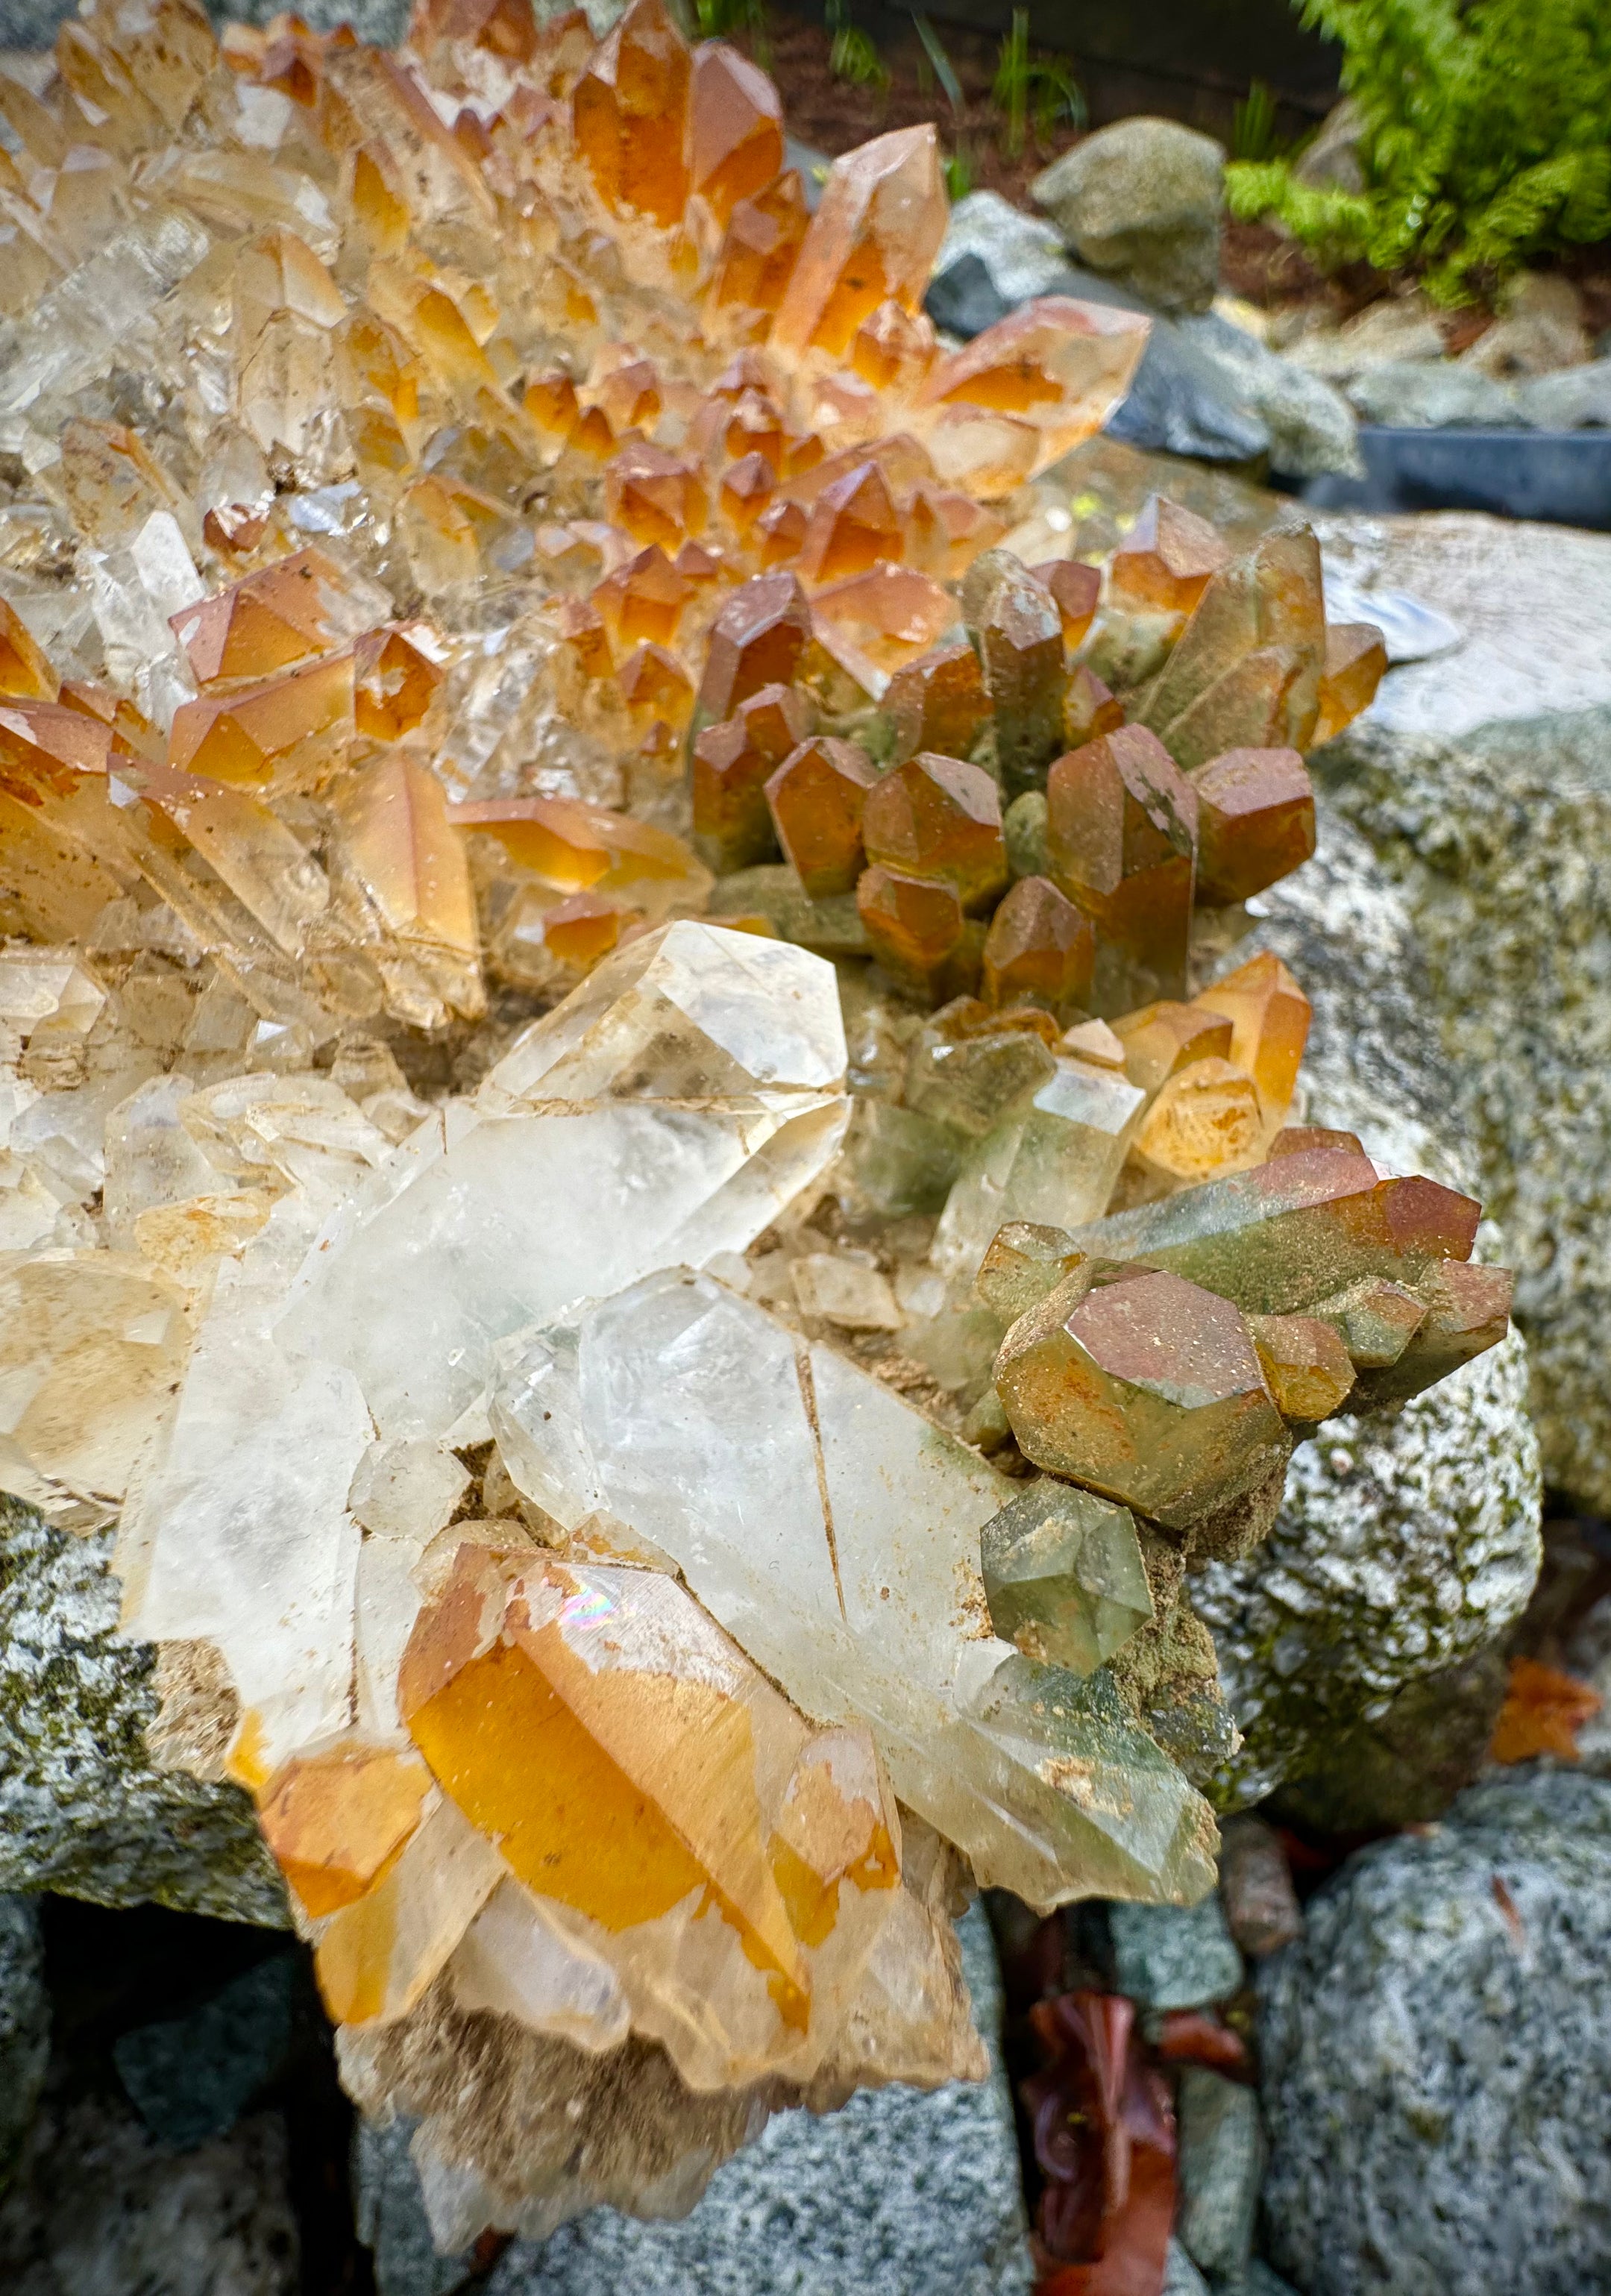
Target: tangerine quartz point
1256,821
732,762
938,703
1166,560
817,796
873,240
916,929
1040,947
936,817
1121,830
756,640
629,115
1078,591
736,128
1355,663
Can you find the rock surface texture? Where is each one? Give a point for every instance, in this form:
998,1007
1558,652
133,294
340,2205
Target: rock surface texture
24,2024
1405,1545
1482,783
1142,200
83,1809
1436,2055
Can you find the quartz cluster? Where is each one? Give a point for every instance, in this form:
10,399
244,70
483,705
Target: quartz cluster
632,1152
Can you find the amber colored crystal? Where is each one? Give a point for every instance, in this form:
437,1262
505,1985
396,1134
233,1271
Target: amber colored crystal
629,113
780,531
816,797
1121,827
936,817
287,726
1299,1139
1054,365
852,526
756,640
1245,670
1306,1366
735,130
581,630
645,599
1039,946
761,247
1270,1016
47,744
732,763
894,348
916,929
577,847
874,623
653,497
1166,560
581,929
653,683
630,397
1161,1038
1078,591
396,675
873,240
1089,709
1355,664
400,845
938,703
1256,821
24,669
337,1820
550,401
746,487
1205,1119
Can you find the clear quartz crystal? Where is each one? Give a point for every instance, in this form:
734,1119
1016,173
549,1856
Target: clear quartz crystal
834,1530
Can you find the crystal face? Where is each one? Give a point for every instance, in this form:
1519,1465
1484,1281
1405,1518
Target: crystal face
609,1029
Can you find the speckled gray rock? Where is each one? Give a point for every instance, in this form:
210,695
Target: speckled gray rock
899,2192
1181,2275
1219,2164
191,2078
1431,395
1405,1545
1174,1956
83,1807
1308,425
1436,2057
100,2209
1142,199
1499,840
24,2025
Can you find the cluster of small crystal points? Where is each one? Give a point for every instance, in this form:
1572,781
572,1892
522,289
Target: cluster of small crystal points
606,1054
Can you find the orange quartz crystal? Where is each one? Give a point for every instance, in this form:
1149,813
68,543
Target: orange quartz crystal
1269,1015
938,703
735,130
1256,821
1040,949
816,796
1166,560
756,640
760,248
652,495
576,847
287,729
645,599
1355,663
1121,834
732,762
629,114
337,1820
916,929
263,623
873,240
397,672
936,817
25,671
852,526
1078,591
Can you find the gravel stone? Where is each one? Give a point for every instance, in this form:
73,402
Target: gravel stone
1437,2056
24,2025
1174,1956
1220,2158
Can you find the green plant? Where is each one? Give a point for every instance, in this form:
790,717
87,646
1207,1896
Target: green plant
938,65
1253,135
1035,88
1484,137
720,20
854,56
959,174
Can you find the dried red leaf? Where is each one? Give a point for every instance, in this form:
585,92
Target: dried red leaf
1104,2140
1542,1713
1192,2036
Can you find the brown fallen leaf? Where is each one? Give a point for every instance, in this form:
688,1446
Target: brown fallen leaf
1542,1713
